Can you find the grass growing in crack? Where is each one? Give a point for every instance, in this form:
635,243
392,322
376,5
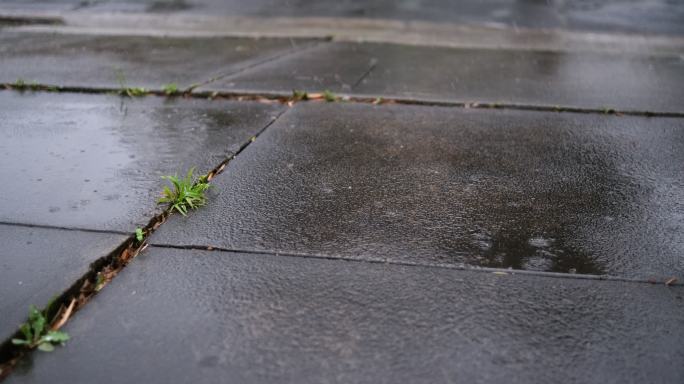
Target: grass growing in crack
139,235
37,332
22,85
329,96
170,89
125,90
187,192
299,95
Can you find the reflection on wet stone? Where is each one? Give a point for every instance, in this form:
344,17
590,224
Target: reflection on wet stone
100,158
559,192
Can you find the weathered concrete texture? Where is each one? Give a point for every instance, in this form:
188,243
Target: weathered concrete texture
539,191
89,161
37,264
207,317
650,16
106,61
588,80
338,68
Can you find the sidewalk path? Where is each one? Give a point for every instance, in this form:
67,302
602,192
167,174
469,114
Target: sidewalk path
479,212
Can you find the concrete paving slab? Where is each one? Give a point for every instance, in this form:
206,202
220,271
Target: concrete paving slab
96,161
102,61
206,317
579,79
37,264
541,191
650,16
337,68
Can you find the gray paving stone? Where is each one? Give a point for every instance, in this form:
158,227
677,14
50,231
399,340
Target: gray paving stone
207,317
99,61
587,80
652,16
541,191
90,161
337,68
37,264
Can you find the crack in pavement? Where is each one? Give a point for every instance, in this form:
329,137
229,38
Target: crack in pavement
87,286
371,67
76,229
461,267
257,63
283,97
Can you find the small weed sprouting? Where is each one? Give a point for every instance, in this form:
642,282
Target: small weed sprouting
170,89
100,281
329,96
187,192
135,92
22,85
37,332
139,235
299,95
128,91
19,84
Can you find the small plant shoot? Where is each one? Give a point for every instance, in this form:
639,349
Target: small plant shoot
299,95
37,333
170,89
186,193
124,90
329,96
139,235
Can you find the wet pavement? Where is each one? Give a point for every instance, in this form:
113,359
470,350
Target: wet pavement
347,241
203,317
646,17
569,79
646,83
40,263
543,191
96,161
131,61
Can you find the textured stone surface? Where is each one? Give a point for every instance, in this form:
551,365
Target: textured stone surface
581,79
107,61
336,67
556,192
207,317
95,162
649,16
37,264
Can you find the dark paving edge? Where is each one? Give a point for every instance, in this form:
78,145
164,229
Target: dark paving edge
383,99
283,97
88,230
87,287
17,20
459,267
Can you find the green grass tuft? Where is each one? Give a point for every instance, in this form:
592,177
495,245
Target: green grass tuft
37,333
299,95
139,235
125,90
22,85
329,96
170,89
187,193
19,84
